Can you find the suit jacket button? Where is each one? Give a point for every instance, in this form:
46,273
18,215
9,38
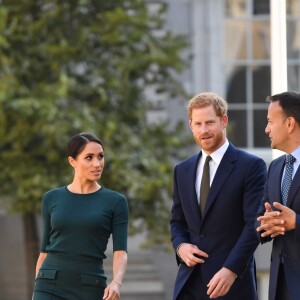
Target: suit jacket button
202,236
97,281
41,274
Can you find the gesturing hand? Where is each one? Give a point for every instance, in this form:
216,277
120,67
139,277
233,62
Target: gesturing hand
274,223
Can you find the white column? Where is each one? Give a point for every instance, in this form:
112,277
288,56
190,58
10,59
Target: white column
198,45
206,33
278,51
278,46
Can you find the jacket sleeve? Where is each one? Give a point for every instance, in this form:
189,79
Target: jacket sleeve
179,228
248,241
261,211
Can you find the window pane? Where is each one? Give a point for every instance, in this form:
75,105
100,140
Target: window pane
236,85
293,39
261,83
235,40
261,39
293,78
261,7
235,8
236,129
260,122
293,7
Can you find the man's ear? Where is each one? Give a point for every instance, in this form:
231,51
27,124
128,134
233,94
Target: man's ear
291,123
224,120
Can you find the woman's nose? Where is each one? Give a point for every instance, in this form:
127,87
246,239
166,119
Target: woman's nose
97,162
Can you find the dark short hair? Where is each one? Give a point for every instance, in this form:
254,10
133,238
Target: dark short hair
78,142
290,103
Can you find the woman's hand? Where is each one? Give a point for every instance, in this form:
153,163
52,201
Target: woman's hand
112,292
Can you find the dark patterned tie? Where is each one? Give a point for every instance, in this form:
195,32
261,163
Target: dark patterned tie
205,184
287,179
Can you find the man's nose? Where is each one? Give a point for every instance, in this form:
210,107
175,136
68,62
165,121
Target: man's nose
267,130
204,128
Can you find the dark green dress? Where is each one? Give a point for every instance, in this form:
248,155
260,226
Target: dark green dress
76,229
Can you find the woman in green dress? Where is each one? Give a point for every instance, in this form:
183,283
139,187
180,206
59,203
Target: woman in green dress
78,220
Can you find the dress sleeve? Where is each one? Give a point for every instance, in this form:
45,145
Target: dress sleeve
46,225
120,225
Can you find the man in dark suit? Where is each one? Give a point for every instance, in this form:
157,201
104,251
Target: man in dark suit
280,207
214,210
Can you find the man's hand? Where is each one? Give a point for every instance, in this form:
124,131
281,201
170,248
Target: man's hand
191,254
274,223
221,283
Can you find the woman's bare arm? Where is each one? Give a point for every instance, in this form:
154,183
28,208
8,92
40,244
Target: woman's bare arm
40,260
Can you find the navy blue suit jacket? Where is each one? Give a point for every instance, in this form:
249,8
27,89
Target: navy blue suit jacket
226,230
287,246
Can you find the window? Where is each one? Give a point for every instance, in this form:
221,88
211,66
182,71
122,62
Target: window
248,65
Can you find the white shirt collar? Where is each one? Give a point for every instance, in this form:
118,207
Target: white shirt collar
296,153
218,154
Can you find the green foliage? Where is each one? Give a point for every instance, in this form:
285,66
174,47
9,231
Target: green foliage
84,65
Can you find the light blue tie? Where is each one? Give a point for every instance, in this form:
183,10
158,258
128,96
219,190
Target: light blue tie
287,179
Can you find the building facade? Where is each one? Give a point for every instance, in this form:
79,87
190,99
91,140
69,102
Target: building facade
230,47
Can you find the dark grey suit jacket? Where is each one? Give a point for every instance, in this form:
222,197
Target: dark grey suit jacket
285,247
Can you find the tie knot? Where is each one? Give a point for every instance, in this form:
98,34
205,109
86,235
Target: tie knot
208,158
289,159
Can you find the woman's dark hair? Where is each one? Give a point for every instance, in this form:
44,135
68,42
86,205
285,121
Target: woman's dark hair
78,142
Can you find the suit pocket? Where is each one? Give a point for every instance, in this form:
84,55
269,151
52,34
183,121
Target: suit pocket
45,279
92,286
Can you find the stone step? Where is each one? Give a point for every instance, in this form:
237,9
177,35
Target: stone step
13,295
12,261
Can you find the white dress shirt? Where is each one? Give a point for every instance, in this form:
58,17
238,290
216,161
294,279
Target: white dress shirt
213,166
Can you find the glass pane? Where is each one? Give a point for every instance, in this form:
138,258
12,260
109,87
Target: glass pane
293,7
260,122
293,78
293,39
261,76
261,7
235,8
236,129
261,39
235,40
236,85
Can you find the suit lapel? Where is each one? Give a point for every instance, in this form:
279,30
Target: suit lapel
294,188
275,181
224,170
189,180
